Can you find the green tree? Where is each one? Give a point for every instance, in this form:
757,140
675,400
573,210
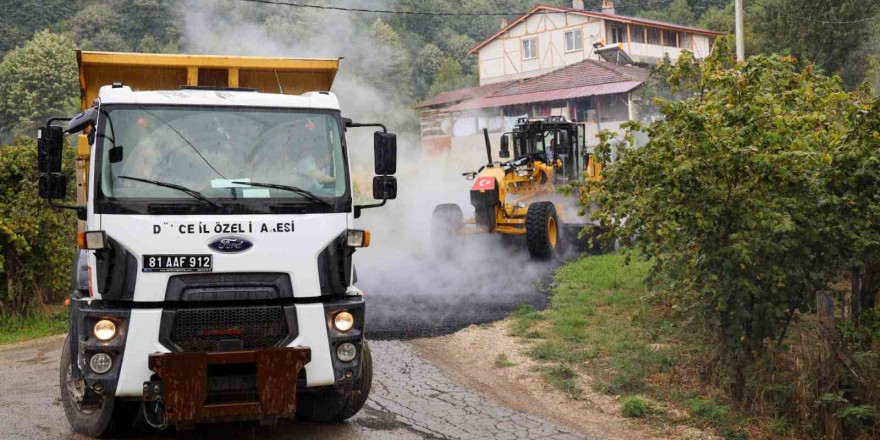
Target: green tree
36,245
806,29
428,62
678,12
39,81
450,77
22,18
731,195
391,67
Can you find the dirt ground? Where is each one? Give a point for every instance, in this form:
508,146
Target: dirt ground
470,354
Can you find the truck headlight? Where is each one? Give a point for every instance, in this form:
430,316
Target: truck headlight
343,321
346,352
101,363
105,330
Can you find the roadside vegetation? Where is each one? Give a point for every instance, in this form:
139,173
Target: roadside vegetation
750,295
37,325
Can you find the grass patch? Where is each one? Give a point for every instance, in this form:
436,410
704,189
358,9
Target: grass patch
501,361
708,411
634,407
564,379
21,328
601,320
524,317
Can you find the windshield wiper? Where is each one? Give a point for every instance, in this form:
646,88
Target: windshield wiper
307,194
191,192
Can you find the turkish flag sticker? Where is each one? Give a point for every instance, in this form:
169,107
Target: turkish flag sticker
484,183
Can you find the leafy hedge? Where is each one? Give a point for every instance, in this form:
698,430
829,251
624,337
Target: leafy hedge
36,241
752,195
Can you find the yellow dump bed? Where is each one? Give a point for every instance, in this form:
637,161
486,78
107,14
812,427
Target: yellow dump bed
168,72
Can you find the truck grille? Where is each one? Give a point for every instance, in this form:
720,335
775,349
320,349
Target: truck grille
228,328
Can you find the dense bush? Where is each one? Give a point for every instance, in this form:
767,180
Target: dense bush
36,241
751,196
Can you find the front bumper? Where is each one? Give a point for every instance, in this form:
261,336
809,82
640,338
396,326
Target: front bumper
197,387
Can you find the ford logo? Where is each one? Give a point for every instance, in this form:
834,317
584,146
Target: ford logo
230,244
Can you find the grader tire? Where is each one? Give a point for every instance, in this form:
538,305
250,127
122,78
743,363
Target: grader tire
542,231
446,221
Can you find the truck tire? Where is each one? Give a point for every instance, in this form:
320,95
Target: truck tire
542,230
115,417
446,221
328,405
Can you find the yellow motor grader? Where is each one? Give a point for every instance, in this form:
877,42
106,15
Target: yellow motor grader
518,197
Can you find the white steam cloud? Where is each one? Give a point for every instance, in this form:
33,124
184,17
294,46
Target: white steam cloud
399,272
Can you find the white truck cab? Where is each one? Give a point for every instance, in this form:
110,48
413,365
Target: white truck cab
214,280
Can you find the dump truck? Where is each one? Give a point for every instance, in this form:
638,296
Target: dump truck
214,280
517,198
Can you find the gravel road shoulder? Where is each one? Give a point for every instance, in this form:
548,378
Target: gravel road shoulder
469,356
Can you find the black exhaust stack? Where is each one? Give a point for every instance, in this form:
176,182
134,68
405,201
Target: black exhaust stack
488,147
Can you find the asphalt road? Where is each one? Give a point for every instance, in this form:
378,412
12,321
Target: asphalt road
411,399
415,294
409,297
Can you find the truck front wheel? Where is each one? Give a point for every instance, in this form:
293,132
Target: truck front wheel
112,417
328,405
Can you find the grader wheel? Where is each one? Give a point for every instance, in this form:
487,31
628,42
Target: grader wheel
542,231
446,222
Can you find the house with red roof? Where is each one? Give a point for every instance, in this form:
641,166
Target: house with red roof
581,64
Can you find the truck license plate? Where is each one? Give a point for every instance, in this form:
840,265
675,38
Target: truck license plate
178,263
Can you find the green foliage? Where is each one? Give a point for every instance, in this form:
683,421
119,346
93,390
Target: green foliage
39,81
634,407
36,241
18,328
733,197
678,12
21,19
798,29
708,411
564,379
395,76
450,77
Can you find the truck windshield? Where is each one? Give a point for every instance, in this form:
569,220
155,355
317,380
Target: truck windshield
217,151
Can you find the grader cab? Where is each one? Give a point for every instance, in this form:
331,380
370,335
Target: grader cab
518,197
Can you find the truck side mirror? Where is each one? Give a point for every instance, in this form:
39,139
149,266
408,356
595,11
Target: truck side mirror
87,118
50,140
53,186
505,147
385,151
384,187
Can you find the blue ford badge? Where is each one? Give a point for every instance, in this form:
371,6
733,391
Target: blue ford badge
230,244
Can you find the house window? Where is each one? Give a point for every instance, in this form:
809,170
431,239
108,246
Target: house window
685,40
574,40
638,34
669,39
530,49
654,36
616,33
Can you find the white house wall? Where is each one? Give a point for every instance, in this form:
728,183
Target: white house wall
502,59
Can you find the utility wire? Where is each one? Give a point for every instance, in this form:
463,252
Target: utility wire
798,17
433,13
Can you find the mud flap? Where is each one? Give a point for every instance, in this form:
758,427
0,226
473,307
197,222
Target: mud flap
189,390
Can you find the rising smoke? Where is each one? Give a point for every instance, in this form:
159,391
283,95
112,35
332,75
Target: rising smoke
411,292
